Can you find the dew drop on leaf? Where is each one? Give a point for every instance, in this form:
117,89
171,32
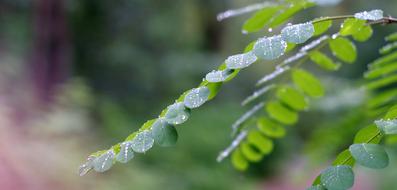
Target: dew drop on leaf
218,76
126,153
370,155
142,142
86,167
240,61
196,97
177,114
270,48
338,177
298,33
388,126
370,15
103,162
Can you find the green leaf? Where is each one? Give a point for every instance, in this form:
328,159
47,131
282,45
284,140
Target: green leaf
249,47
370,155
391,37
323,61
240,61
290,47
238,161
351,26
263,144
382,98
177,114
142,142
288,12
270,128
103,162
164,134
269,48
389,126
369,134
292,98
384,60
308,83
364,34
388,48
343,49
219,75
281,113
338,177
321,27
196,97
381,71
250,153
391,113
383,82
259,19
214,88
298,33
344,158
126,153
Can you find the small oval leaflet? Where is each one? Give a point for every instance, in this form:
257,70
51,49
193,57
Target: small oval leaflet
338,177
270,128
298,33
281,113
126,153
142,142
238,160
86,167
164,134
308,83
218,76
388,126
250,153
270,48
196,97
370,155
103,162
370,15
240,61
262,143
177,114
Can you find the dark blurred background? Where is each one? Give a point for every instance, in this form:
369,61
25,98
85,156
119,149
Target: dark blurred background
77,76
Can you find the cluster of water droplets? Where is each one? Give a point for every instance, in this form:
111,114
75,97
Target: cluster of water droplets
370,15
387,126
298,33
236,125
257,94
162,131
218,76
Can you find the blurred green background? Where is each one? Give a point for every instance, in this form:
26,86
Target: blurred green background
77,76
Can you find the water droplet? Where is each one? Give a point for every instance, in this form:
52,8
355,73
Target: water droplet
196,97
298,33
126,153
240,61
370,15
86,167
142,142
270,48
177,114
103,162
218,76
270,29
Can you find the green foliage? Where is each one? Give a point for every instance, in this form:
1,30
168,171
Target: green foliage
343,49
308,83
253,142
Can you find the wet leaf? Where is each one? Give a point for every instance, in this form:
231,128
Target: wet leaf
177,114
126,153
370,155
142,142
338,177
240,61
270,48
164,134
196,97
298,33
